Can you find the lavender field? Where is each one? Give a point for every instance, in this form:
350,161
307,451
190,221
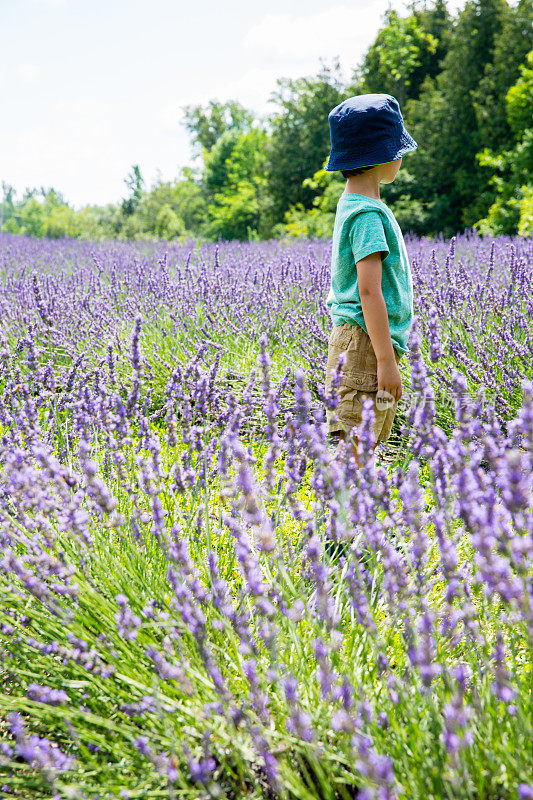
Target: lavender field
178,616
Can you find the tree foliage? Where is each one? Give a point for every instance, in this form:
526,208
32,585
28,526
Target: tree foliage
299,142
236,209
135,184
206,124
510,50
403,53
512,168
444,120
464,84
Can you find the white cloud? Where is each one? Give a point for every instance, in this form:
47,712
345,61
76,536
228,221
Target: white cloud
28,71
53,3
171,114
252,88
340,30
74,151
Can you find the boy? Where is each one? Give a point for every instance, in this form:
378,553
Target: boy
371,296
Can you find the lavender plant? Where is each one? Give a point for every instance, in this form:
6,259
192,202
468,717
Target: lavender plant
173,622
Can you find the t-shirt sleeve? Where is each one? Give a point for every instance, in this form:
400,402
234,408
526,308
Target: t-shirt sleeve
367,235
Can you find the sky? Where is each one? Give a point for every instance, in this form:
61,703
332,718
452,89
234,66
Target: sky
90,87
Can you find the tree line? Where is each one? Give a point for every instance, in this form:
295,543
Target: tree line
465,86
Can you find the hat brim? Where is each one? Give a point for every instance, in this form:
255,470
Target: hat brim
407,144
336,162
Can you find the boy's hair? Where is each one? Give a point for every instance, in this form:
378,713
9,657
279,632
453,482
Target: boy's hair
347,173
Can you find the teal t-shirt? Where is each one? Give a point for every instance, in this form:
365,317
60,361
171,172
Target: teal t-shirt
363,226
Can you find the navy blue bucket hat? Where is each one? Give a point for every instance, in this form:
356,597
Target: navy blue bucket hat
366,130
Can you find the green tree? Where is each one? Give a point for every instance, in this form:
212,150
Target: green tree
449,181
512,168
299,142
7,207
400,49
436,21
135,183
58,219
205,125
184,197
31,218
31,213
190,202
168,224
318,221
238,209
60,222
511,46
99,222
217,163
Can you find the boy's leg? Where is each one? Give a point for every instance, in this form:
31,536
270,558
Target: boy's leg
341,445
384,413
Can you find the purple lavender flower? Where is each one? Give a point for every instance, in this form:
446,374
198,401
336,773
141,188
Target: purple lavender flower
45,694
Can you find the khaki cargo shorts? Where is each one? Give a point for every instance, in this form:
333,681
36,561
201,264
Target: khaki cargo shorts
358,380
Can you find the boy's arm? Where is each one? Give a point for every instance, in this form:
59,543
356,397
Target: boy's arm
377,323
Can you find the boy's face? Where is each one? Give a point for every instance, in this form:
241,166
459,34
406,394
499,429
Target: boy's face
390,170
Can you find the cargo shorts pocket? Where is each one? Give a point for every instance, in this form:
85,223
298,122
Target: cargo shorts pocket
360,366
359,380
340,337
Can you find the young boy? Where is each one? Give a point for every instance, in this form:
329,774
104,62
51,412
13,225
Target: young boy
371,296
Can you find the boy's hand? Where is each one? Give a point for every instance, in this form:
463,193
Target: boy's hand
389,377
